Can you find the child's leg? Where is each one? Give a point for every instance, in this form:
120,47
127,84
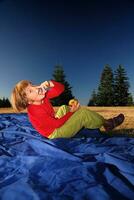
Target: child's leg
81,118
62,111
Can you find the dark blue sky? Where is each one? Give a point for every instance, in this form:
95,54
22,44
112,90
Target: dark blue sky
82,35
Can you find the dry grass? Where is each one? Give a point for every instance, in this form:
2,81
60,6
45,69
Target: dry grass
106,112
7,110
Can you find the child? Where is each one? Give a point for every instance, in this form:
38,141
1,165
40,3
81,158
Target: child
68,120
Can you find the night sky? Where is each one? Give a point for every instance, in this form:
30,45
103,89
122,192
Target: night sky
81,35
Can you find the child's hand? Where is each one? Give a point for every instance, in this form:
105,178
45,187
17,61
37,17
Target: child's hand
75,107
73,101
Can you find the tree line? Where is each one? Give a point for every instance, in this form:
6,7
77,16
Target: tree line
113,89
4,103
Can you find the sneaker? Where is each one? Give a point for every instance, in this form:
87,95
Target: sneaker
112,123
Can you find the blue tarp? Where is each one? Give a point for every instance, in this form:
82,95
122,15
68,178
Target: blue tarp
89,166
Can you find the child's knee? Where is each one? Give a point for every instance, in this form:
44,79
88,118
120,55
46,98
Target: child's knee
83,110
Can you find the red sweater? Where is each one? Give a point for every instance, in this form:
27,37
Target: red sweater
42,116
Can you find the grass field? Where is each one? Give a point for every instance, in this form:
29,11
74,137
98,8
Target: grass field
107,112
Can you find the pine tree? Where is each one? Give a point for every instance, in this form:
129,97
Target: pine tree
5,103
1,103
130,100
105,96
121,87
64,98
93,99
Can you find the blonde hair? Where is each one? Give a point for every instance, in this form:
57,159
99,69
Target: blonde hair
19,101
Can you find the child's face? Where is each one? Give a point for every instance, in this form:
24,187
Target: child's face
35,94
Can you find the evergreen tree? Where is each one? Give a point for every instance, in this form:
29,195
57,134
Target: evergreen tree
93,99
130,100
64,98
7,103
121,87
105,96
4,103
1,103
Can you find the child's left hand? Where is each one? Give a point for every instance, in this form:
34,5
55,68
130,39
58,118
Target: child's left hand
73,102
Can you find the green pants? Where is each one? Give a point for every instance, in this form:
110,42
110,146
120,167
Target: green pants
82,118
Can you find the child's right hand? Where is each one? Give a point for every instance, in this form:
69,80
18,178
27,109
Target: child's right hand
75,107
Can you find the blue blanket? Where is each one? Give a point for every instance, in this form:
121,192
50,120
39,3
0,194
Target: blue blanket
89,166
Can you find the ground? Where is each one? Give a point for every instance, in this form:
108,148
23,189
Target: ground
107,112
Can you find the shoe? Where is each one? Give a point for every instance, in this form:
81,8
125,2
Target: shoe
112,123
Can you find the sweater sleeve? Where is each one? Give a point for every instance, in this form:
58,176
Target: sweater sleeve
56,90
